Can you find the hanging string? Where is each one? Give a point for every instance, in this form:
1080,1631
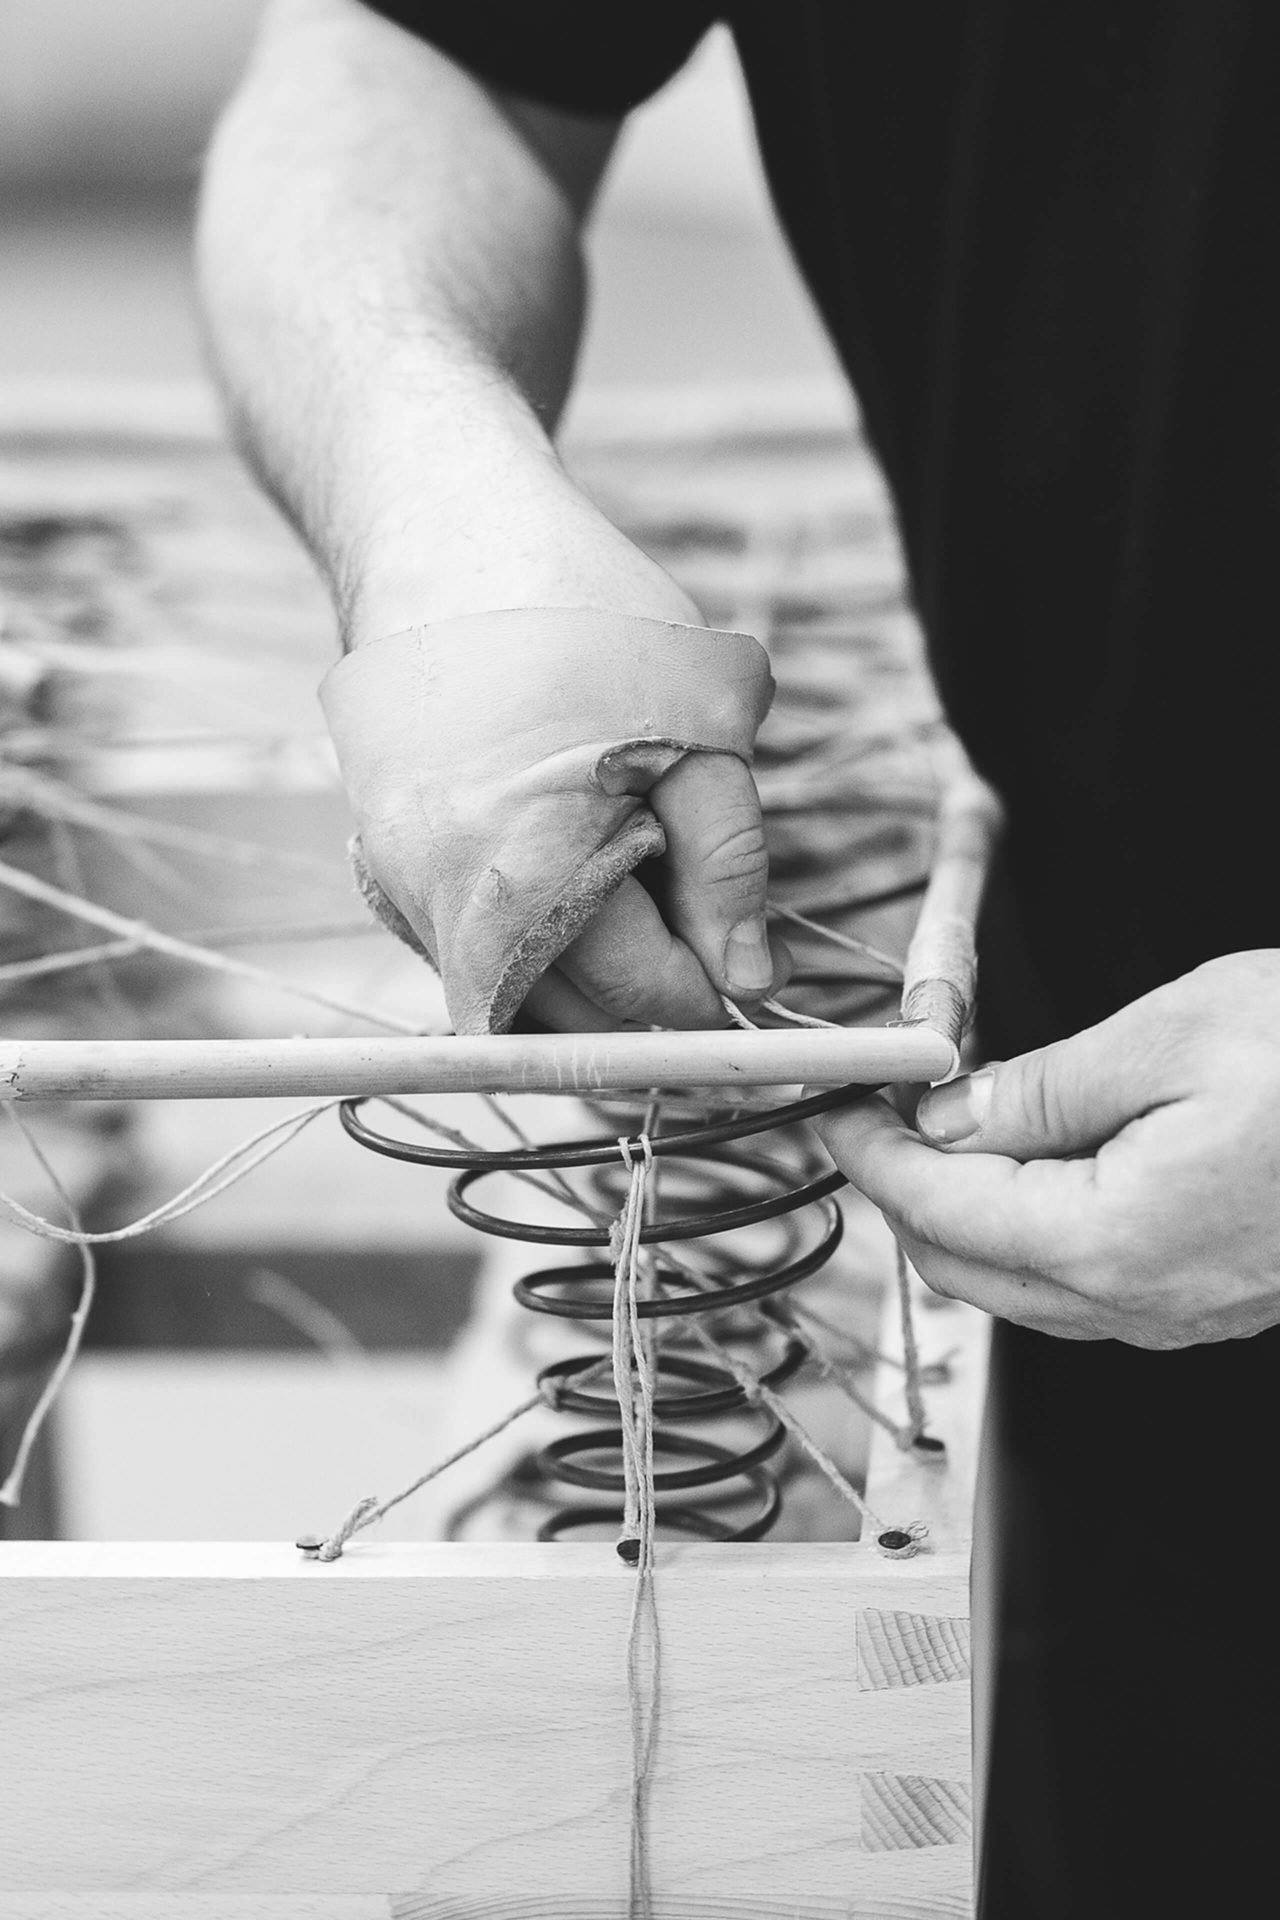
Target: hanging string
227,1171
916,1412
11,1490
634,1385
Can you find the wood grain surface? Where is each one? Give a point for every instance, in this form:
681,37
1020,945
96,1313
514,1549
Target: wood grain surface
449,1726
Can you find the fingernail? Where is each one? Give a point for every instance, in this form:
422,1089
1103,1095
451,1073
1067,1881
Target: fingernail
955,1111
748,964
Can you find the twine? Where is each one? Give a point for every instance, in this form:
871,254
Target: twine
138,932
370,1508
759,1394
227,1171
11,1490
916,1412
634,1385
863,948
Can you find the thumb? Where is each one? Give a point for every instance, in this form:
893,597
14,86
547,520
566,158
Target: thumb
717,869
1063,1099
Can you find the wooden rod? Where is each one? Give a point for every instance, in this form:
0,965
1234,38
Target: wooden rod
507,1063
940,972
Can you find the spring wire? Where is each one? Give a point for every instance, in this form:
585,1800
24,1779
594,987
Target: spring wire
706,1184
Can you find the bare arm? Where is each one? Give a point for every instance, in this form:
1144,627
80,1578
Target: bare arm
394,291
393,287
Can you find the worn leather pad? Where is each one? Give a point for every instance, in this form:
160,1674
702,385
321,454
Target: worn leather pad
497,765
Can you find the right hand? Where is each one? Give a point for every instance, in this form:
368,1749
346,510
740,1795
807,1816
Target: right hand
668,966
659,954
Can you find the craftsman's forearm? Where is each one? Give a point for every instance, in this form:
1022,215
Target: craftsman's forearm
393,290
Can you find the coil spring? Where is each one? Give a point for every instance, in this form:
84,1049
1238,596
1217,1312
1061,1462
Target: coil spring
702,1485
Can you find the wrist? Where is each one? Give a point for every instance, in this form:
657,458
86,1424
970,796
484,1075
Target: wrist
535,543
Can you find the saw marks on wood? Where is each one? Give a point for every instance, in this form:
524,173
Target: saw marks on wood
911,1649
907,1810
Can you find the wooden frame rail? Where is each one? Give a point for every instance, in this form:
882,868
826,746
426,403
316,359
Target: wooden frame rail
442,1732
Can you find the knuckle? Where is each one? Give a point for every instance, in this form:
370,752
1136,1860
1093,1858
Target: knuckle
626,996
738,855
1039,1095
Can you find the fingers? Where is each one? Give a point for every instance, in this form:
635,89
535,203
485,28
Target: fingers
717,870
1066,1098
1044,1218
630,966
1028,1299
557,1003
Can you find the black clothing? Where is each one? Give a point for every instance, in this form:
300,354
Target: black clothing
1044,240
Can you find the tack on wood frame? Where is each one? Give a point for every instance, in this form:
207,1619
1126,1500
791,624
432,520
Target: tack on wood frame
211,1732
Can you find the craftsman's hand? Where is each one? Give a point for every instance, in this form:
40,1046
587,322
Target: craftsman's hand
1123,1184
393,282
510,770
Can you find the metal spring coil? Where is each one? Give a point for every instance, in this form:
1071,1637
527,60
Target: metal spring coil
702,1485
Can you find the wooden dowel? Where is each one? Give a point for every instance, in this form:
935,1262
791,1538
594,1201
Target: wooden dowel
940,971
533,1063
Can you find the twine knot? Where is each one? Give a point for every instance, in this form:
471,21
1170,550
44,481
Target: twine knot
361,1515
626,1147
552,1391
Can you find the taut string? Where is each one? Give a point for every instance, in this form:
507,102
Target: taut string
634,1384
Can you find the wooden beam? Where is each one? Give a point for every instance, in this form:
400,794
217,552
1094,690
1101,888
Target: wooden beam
448,1727
196,1906
442,1732
518,1063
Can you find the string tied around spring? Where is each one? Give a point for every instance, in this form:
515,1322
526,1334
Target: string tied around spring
632,1359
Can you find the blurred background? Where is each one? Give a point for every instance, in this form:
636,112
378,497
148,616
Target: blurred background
326,1327
104,114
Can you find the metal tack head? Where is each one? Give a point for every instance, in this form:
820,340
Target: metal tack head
896,1544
